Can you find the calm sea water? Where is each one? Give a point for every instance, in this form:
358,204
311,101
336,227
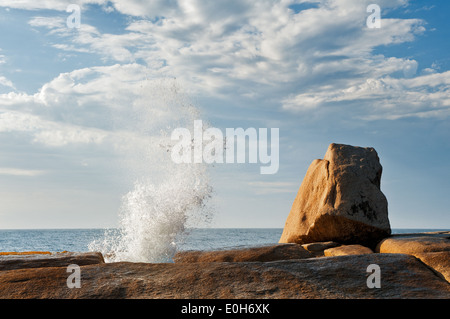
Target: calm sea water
55,240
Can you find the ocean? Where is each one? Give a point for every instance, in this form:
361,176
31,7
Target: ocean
79,240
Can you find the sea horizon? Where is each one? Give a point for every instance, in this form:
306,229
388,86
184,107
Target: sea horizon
105,240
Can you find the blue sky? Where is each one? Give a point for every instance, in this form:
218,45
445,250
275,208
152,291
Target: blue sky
72,101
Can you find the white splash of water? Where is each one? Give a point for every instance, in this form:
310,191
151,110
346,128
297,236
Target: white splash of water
166,197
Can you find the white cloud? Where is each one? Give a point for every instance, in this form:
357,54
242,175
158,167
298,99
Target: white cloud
88,39
391,98
47,132
272,50
49,23
59,5
20,172
73,108
302,61
5,82
118,106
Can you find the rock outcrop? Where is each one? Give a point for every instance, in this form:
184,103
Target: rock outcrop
438,261
283,271
415,243
340,200
403,276
265,253
433,249
10,261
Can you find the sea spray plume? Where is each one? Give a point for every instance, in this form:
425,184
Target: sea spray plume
165,196
152,217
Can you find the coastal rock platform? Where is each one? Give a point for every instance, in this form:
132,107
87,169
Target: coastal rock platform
403,276
270,272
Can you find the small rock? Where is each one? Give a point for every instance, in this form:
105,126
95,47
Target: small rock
321,246
318,248
347,250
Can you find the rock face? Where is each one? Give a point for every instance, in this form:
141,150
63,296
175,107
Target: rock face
12,261
340,200
267,253
438,261
402,276
415,243
433,249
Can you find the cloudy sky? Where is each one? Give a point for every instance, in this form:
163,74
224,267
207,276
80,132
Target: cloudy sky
72,99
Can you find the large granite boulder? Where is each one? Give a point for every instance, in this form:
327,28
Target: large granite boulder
340,200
